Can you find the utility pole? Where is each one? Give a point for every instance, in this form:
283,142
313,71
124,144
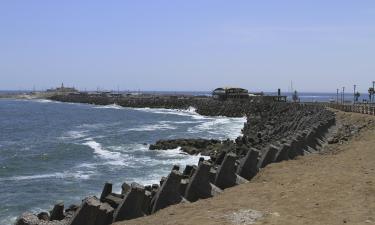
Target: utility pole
337,97
373,88
343,95
355,87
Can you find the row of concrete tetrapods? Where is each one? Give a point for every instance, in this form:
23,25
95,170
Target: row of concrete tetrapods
205,180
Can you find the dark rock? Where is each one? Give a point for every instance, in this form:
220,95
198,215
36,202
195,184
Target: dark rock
43,216
190,146
57,212
27,219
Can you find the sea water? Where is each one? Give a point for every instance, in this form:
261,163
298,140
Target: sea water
52,151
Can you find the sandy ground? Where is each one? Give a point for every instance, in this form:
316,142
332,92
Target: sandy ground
336,187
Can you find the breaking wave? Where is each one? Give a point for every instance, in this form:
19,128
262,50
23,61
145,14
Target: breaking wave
43,101
84,175
100,151
153,127
113,106
190,112
220,127
75,134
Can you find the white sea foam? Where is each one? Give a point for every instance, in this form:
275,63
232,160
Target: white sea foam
75,134
100,151
220,128
113,106
87,165
160,160
8,220
92,126
129,148
44,101
190,112
179,122
64,175
214,124
33,177
96,126
153,127
81,175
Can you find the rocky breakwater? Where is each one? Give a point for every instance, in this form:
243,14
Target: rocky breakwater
266,124
282,132
204,105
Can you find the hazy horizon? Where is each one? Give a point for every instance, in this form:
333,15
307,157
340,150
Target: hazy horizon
187,46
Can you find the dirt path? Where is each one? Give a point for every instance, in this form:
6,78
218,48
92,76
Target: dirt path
337,187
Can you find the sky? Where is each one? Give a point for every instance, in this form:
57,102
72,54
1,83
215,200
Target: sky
195,45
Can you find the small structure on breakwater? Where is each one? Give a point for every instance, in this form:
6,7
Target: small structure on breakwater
225,93
232,93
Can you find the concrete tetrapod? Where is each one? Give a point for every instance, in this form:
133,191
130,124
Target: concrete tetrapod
225,175
93,212
131,206
169,193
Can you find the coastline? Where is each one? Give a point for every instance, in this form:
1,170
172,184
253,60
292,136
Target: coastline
255,134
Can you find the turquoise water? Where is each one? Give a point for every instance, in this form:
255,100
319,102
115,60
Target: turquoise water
52,151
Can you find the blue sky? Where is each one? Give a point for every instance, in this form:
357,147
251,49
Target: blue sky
187,45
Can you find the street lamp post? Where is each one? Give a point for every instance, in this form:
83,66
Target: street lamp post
355,87
337,96
343,95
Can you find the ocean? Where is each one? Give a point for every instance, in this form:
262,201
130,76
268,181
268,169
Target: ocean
51,151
